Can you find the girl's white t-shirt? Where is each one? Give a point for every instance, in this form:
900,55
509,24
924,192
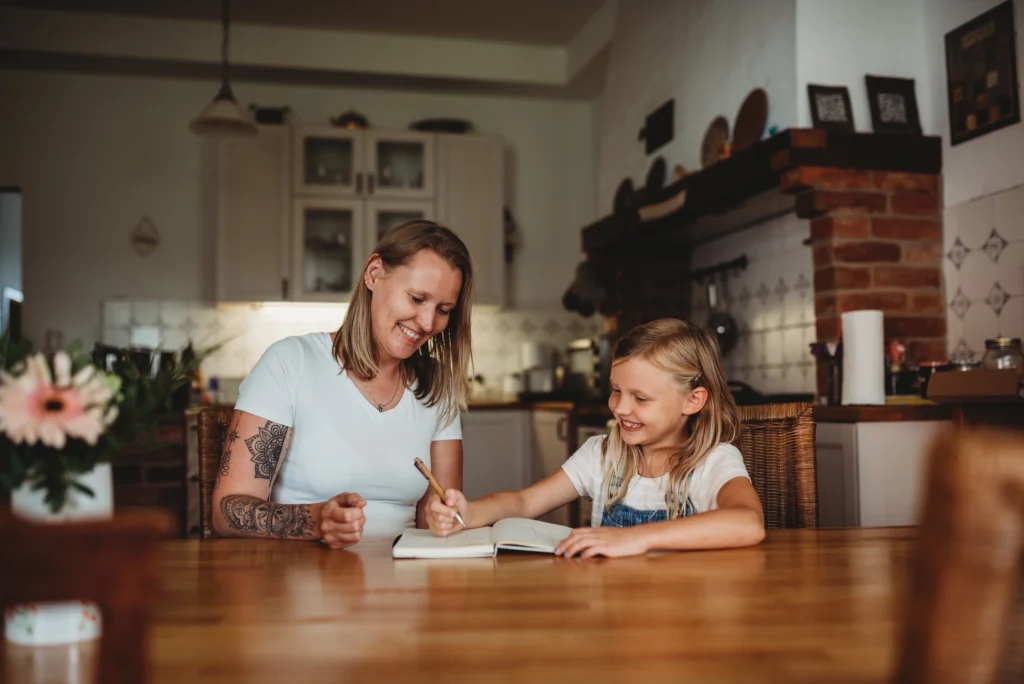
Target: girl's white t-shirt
646,495
340,443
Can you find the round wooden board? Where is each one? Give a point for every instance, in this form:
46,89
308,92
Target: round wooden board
716,136
750,120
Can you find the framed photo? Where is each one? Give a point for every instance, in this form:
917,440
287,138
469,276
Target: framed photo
893,105
981,75
830,107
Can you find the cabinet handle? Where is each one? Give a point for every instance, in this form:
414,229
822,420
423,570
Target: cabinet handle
359,182
369,182
284,288
562,428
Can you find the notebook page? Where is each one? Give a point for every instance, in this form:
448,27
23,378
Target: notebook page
531,533
422,544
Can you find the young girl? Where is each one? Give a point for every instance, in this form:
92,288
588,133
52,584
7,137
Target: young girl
667,475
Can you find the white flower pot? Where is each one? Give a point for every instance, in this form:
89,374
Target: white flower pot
65,622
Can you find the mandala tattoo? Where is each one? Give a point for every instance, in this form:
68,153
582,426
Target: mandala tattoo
265,447
257,517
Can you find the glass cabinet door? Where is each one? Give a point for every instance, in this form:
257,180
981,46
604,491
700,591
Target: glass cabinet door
328,249
328,162
383,216
400,165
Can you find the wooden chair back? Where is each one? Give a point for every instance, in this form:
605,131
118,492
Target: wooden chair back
212,427
964,613
777,442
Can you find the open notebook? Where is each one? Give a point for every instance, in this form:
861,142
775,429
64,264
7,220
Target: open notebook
513,534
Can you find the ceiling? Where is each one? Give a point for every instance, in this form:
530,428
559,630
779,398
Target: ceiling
539,22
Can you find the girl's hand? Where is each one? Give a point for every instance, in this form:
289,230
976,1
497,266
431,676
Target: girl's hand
441,514
603,541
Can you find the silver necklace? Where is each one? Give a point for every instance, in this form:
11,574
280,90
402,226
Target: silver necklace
373,399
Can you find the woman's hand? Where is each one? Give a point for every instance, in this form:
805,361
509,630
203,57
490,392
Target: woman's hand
441,514
342,520
603,541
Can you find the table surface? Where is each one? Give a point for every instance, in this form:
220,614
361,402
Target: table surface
805,606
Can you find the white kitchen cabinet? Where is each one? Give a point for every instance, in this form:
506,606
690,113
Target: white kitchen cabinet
470,201
400,165
496,449
328,244
328,162
550,450
872,474
383,215
300,209
340,162
253,217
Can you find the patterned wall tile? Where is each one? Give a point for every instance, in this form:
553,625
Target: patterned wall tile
772,301
984,271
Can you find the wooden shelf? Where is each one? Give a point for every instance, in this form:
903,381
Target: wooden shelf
744,190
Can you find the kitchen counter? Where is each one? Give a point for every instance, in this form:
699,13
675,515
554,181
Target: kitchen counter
882,414
1006,414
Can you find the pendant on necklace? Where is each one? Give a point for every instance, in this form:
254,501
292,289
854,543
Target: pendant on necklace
380,408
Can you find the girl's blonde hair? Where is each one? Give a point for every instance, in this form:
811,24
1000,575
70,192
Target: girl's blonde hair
690,356
441,366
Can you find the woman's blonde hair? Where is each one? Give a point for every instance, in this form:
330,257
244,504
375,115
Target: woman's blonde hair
441,366
690,356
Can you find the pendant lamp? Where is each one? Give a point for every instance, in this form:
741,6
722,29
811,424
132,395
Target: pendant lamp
223,117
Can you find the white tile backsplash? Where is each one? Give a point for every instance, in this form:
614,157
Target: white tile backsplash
983,268
249,329
772,302
117,313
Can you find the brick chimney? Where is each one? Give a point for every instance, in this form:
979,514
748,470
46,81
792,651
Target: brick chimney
877,244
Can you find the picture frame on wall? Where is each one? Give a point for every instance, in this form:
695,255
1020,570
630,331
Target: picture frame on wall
830,107
893,105
981,75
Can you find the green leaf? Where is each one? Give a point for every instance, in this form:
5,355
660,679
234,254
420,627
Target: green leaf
82,488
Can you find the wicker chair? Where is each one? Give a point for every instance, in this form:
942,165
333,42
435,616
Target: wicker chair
213,424
777,442
112,562
964,617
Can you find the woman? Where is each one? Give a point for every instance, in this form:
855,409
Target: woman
326,427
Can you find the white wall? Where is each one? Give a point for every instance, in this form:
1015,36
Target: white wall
94,154
707,54
992,162
839,42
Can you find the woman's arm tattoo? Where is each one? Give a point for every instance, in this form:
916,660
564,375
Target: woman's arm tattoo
266,447
254,516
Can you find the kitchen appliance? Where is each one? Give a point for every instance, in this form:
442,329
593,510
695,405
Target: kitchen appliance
588,367
537,364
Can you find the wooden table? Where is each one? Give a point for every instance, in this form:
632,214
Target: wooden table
806,606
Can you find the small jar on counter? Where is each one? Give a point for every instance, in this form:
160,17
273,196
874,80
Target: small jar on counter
963,364
1002,352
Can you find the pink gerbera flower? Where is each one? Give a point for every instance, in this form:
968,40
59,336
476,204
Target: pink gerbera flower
35,409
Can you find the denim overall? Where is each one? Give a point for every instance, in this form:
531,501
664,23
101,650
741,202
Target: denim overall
621,515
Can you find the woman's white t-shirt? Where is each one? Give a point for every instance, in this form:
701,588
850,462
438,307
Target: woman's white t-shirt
340,443
645,497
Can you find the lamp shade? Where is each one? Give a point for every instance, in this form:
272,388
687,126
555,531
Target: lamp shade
223,118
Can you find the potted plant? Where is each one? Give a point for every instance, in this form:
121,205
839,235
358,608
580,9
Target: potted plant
62,416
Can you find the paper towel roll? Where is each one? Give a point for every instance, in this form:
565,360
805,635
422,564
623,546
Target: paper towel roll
863,358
